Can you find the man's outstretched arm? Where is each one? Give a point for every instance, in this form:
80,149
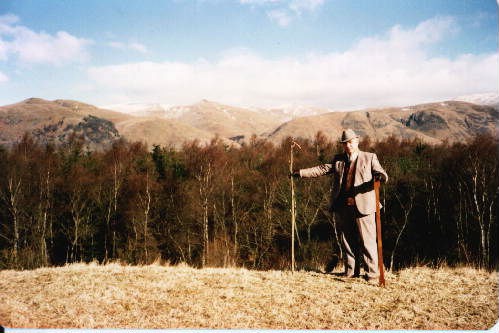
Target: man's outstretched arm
317,171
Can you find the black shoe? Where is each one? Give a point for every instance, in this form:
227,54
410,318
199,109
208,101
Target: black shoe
349,276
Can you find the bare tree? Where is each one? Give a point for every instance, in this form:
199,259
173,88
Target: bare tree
79,208
462,228
145,199
204,178
482,189
407,207
44,206
13,198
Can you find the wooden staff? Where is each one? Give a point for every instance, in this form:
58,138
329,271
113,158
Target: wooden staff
378,233
293,206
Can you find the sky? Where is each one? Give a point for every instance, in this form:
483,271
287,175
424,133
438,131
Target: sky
336,54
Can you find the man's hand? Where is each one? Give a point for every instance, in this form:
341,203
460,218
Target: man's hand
295,174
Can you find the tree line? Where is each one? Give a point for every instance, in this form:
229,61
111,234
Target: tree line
215,205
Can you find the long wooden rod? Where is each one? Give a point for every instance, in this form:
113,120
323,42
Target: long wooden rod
378,234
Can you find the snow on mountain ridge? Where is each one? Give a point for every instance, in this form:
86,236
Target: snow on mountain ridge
289,111
175,112
284,113
491,98
137,109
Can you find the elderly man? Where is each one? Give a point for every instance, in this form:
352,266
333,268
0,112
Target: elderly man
354,203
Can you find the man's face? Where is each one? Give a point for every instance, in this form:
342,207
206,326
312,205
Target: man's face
351,146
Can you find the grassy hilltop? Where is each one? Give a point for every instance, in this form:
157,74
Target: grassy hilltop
155,296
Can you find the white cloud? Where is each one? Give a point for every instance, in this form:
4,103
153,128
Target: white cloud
7,20
117,45
283,11
395,69
259,2
310,5
3,77
138,47
39,47
4,48
282,17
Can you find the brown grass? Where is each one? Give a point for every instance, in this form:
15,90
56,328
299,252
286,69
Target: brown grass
155,296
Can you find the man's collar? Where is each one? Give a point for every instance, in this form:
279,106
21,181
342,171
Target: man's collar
353,157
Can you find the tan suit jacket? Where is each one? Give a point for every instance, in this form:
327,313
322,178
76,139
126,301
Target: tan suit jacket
367,166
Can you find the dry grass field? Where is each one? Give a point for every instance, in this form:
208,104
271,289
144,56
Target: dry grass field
156,296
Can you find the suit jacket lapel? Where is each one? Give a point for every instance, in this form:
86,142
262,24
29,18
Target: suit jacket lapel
360,164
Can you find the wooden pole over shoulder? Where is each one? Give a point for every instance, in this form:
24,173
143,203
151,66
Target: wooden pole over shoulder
378,234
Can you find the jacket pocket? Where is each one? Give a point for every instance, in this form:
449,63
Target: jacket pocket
365,173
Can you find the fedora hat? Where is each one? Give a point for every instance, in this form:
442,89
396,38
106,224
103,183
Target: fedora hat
348,135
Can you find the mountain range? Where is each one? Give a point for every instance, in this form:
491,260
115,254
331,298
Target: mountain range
281,114
56,121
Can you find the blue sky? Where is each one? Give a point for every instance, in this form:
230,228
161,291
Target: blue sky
339,54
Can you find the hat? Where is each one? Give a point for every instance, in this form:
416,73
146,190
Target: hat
348,135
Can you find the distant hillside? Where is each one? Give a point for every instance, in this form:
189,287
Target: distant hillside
56,121
286,113
215,118
268,115
162,131
227,121
433,123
